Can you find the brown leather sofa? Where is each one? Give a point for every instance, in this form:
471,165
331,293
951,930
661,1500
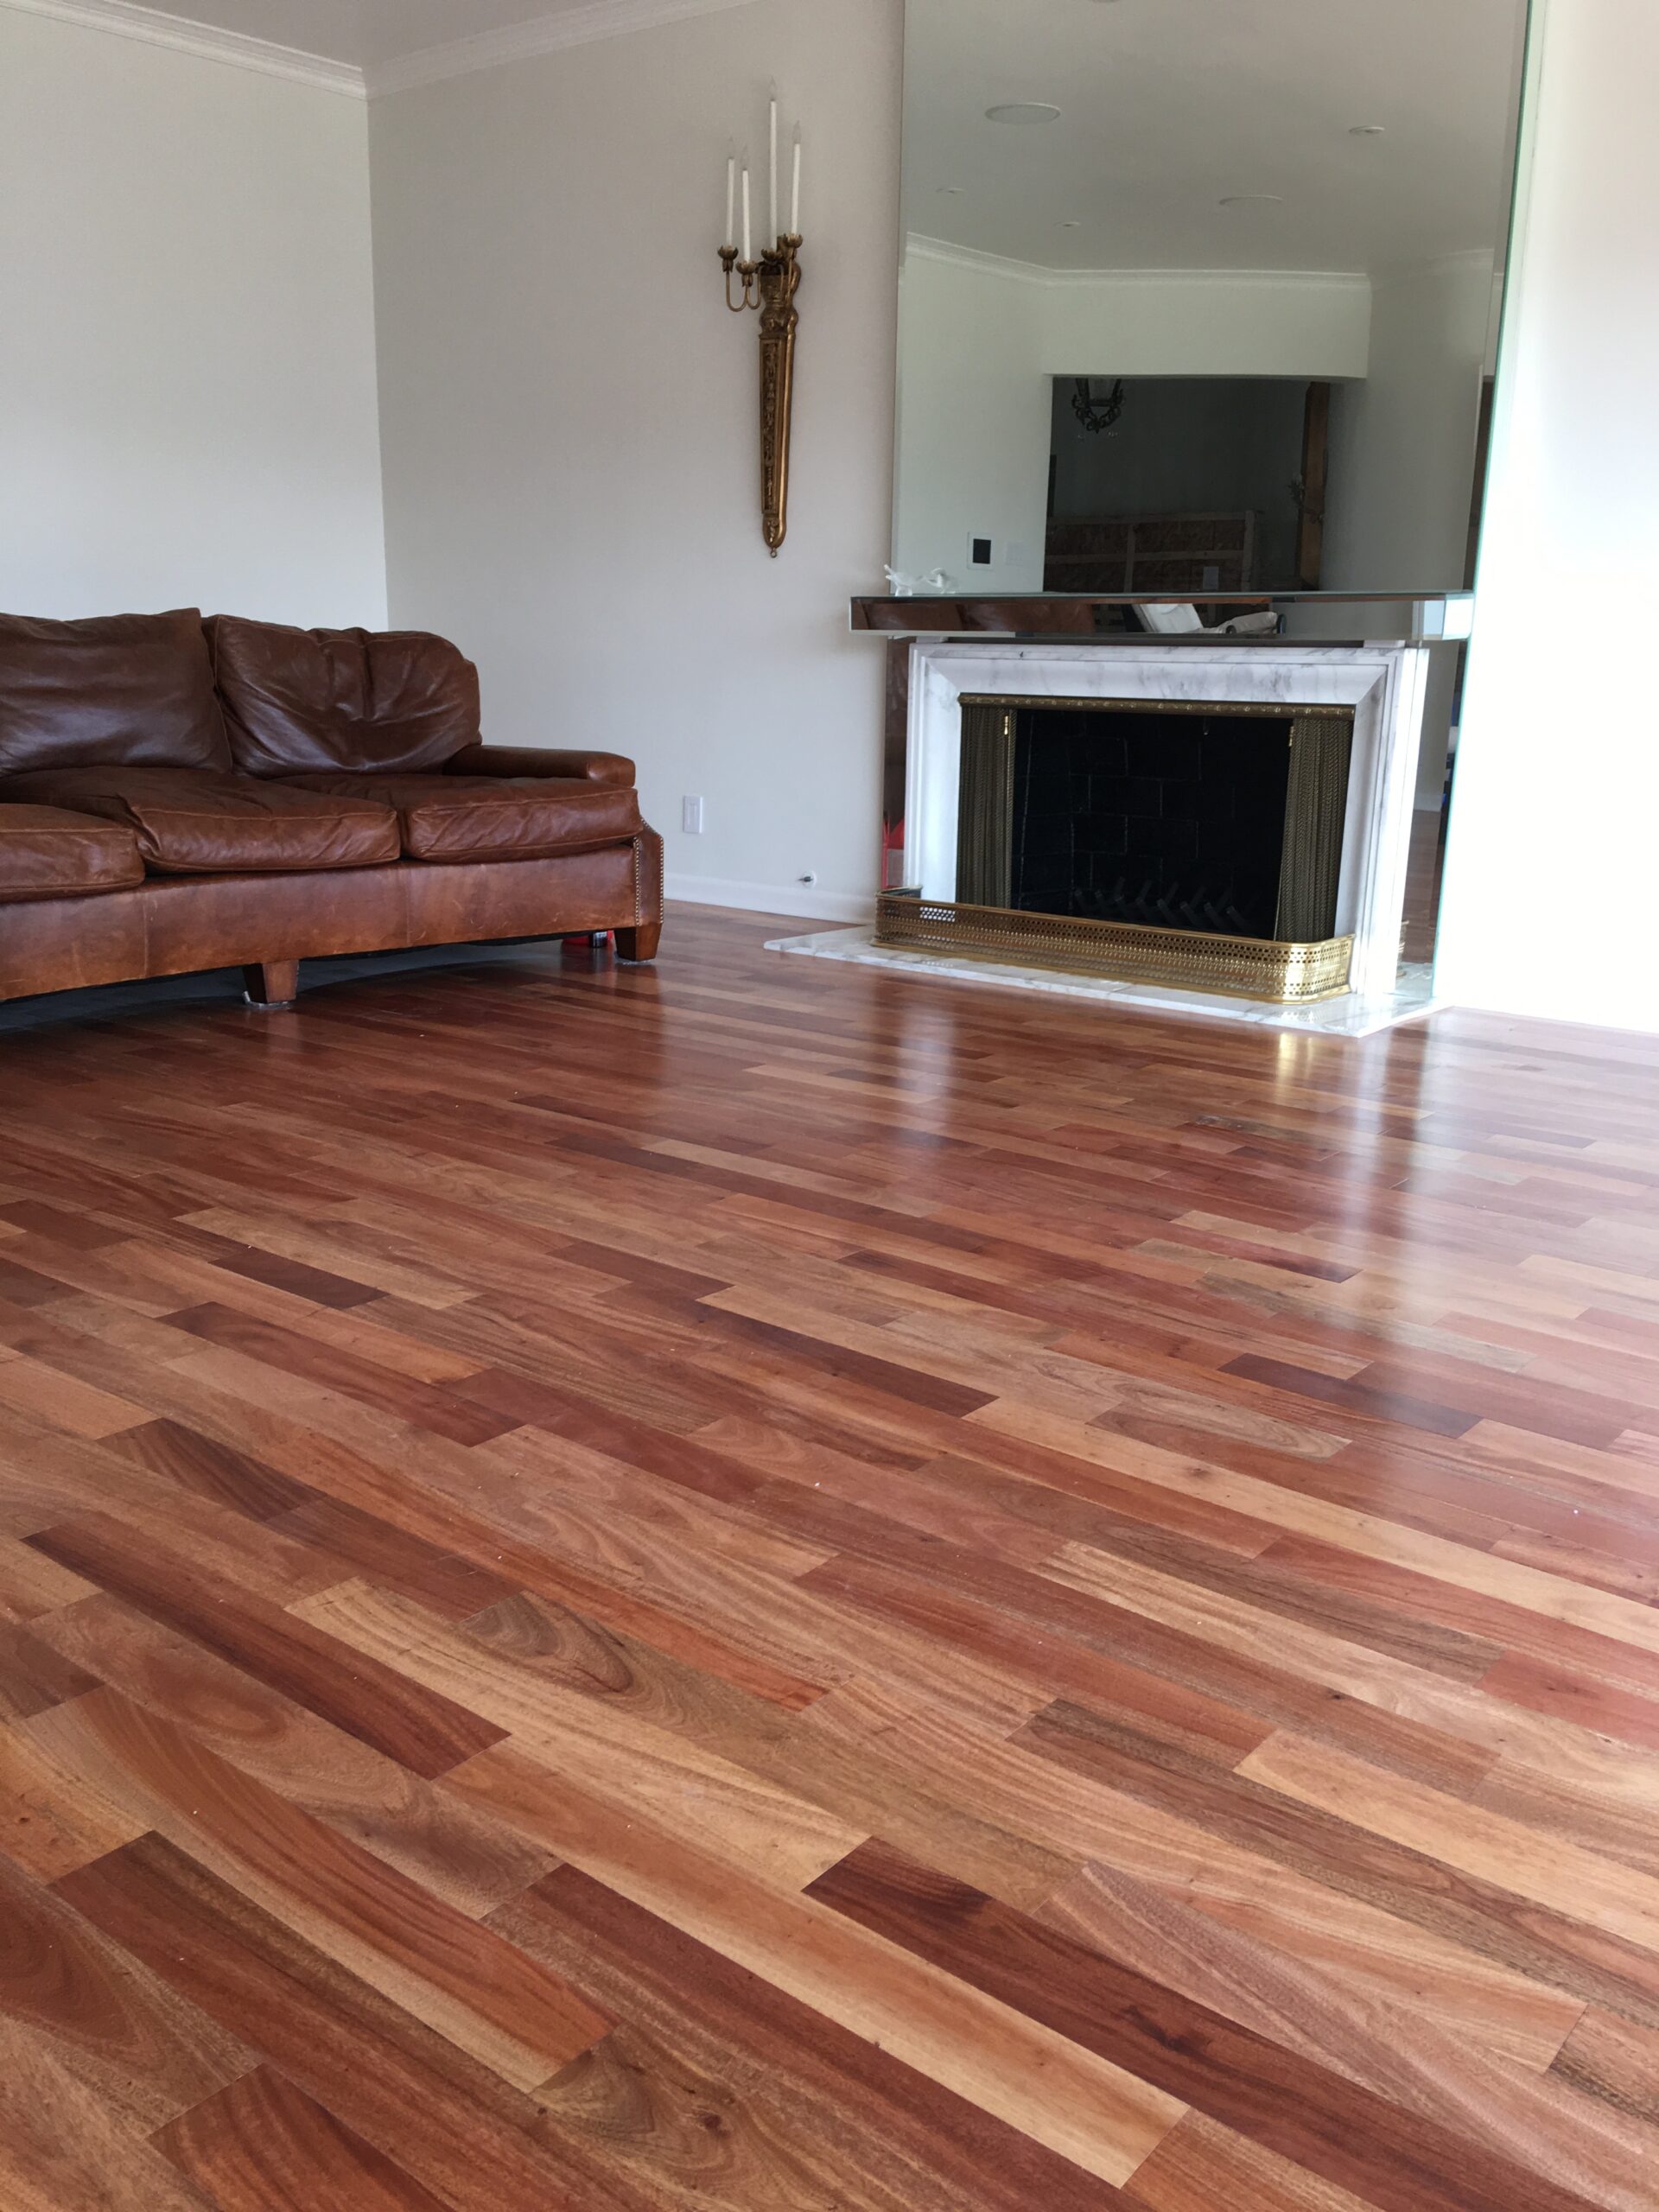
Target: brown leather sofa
177,794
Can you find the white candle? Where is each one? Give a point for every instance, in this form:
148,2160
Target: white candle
728,237
747,256
772,210
795,195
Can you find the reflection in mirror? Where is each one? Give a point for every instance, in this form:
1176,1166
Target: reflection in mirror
1200,297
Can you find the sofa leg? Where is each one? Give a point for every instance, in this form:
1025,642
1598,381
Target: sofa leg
640,942
272,983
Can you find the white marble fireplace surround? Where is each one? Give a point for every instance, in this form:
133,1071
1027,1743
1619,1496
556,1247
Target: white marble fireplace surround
1383,683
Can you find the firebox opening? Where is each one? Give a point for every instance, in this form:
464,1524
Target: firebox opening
1170,822
1222,822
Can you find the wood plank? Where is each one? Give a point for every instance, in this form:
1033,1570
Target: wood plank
215,1469
143,2052
1084,2108
1200,2165
52,1819
1495,1848
1385,2046
61,2147
423,1954
661,1772
758,2070
1615,2060
1300,2109
1555,1948
261,2142
465,1859
64,1402
454,2125
33,1676
421,1731
428,1406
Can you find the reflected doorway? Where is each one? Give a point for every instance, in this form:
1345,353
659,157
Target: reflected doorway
1187,485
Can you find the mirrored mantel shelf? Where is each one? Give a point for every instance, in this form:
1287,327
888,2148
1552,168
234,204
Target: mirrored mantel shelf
1324,618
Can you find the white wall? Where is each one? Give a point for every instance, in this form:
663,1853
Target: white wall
188,406
974,414
1401,463
570,422
1209,323
981,340
1402,442
1551,867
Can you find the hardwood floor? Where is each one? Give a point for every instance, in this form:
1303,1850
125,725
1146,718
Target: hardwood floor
753,1585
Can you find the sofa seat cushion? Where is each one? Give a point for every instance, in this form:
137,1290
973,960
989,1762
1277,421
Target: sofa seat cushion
46,852
328,702
137,689
197,824
494,818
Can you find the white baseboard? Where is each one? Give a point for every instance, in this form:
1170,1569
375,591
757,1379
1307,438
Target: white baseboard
802,900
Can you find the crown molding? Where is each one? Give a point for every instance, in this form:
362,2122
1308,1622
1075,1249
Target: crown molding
918,247
581,25
150,26
1033,272
1468,261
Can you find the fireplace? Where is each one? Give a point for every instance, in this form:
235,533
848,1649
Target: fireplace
1190,842
1228,819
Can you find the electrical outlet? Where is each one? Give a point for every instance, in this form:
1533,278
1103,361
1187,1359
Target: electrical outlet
691,817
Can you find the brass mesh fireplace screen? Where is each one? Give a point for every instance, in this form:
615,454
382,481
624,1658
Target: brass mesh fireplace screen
985,805
1316,809
1303,960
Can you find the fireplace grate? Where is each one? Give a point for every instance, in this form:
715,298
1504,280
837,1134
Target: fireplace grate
1213,911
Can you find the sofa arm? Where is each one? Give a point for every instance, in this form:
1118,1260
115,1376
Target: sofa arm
608,768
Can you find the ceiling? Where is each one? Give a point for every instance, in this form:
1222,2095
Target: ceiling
1169,106
370,34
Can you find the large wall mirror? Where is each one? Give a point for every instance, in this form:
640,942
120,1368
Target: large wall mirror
1201,295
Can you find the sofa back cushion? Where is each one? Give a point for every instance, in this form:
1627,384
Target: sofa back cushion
130,690
301,701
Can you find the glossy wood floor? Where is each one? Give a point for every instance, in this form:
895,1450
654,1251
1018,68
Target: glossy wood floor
756,1585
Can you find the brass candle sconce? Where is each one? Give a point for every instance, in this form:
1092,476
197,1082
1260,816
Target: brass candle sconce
769,285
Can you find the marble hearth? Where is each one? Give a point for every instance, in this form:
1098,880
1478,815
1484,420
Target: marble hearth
1349,1016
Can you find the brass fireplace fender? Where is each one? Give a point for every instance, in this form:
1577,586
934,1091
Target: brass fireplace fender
1279,973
